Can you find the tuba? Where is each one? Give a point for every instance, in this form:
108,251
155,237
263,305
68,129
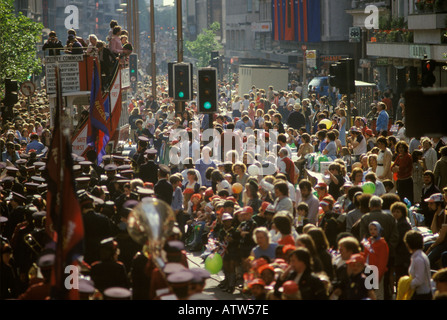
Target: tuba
150,223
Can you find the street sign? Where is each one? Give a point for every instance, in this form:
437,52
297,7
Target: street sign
28,88
355,34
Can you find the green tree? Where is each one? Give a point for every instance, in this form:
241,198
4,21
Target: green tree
206,42
18,38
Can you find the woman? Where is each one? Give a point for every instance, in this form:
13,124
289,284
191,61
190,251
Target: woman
419,268
192,186
372,163
305,241
283,224
92,50
330,149
337,180
430,155
253,196
219,183
236,107
240,173
342,125
300,270
264,246
115,43
403,166
383,160
322,247
418,172
259,120
356,176
377,252
401,255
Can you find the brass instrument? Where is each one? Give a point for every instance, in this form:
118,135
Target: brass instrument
32,243
150,223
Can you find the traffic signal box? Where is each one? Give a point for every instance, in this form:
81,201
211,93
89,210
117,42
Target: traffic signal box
133,70
11,94
207,93
342,76
428,78
182,81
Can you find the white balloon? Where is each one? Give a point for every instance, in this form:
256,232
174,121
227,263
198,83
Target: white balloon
253,170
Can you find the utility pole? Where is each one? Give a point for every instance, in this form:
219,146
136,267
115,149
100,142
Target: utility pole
153,51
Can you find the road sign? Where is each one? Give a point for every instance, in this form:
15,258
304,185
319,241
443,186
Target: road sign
28,88
354,34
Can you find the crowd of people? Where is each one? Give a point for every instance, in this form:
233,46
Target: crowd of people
285,229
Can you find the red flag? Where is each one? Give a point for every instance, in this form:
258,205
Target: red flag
64,217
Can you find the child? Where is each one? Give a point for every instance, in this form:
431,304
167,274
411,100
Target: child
346,156
301,218
376,251
177,201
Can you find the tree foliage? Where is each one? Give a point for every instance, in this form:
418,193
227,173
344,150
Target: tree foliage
206,42
18,38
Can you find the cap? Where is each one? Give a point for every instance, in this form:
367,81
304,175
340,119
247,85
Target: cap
209,192
145,192
256,281
46,260
199,274
356,258
110,167
164,168
265,267
355,129
369,132
270,209
117,293
143,138
226,216
436,197
86,286
290,287
18,197
247,209
324,203
180,278
264,205
172,267
321,185
348,184
151,151
174,247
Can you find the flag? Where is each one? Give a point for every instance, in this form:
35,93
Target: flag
113,102
296,20
64,215
98,129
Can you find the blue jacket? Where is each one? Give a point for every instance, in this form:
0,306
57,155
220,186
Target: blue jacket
382,121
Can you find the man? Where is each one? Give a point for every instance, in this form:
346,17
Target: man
440,170
107,61
242,123
283,201
96,226
428,189
358,143
387,221
163,188
296,119
152,104
438,143
312,201
53,44
439,225
277,117
74,46
35,144
148,171
382,119
286,165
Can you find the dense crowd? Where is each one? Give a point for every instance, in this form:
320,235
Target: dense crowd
306,204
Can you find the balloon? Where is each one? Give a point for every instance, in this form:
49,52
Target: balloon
213,263
237,188
253,170
326,122
369,187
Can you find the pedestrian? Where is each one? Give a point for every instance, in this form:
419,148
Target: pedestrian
419,268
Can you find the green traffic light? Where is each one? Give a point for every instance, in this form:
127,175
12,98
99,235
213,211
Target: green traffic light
181,94
207,105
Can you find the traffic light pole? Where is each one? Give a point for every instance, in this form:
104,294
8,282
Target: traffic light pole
153,52
179,104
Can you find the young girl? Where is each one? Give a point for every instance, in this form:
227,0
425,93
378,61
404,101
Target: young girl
191,187
376,251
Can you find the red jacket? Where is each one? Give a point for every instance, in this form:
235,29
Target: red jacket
405,163
377,252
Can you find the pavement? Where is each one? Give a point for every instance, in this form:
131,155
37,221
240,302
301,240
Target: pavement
211,288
